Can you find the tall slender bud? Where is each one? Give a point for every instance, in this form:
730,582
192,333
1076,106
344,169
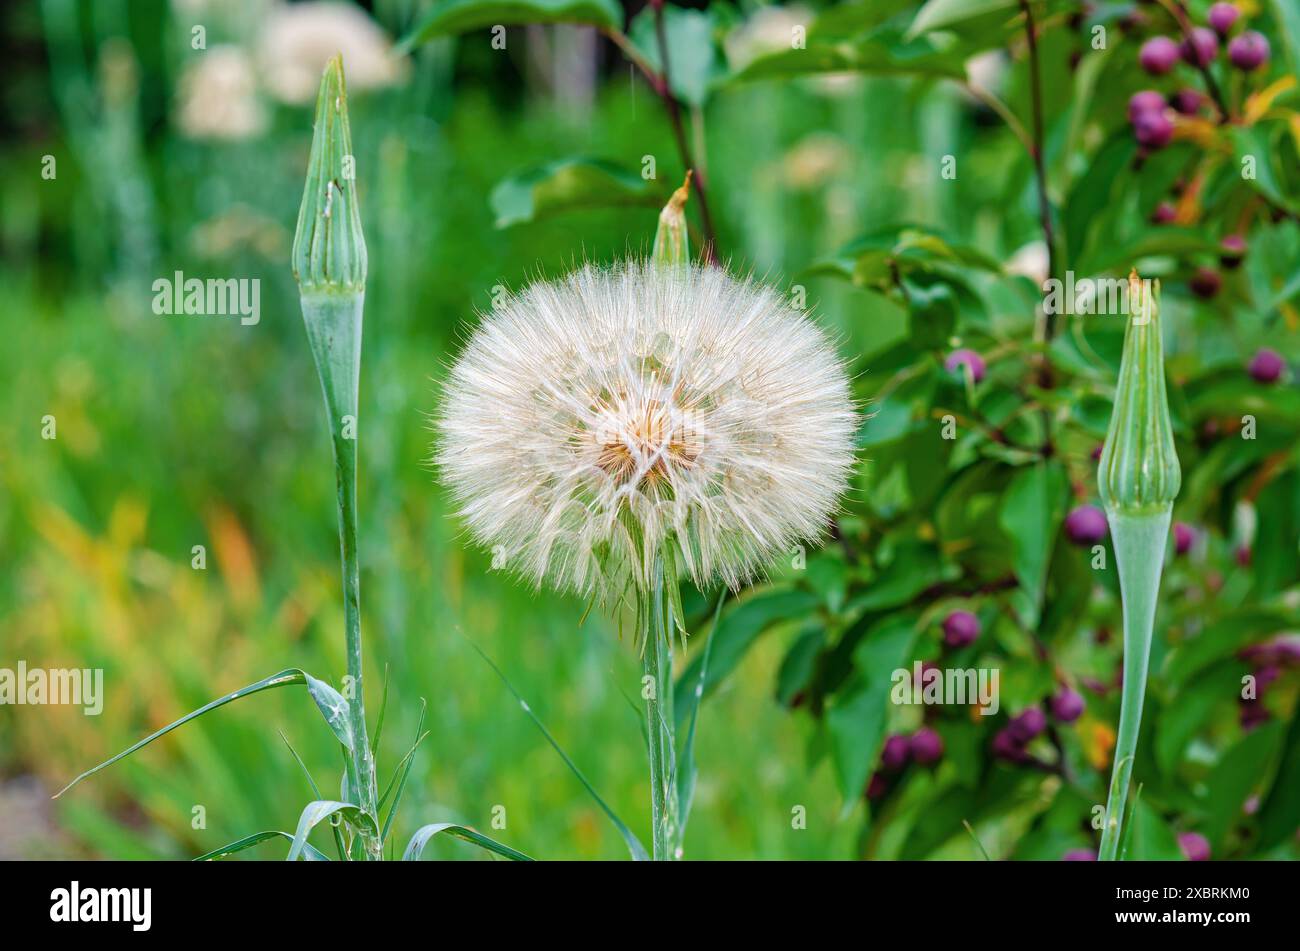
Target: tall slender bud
1138,480
1139,466
672,246
329,250
329,262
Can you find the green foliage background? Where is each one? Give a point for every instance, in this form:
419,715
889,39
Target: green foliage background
178,431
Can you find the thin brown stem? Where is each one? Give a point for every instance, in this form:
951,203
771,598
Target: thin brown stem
1036,151
659,82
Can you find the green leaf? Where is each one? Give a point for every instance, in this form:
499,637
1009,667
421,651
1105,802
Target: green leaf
1167,240
1287,15
291,675
1191,709
571,184
945,14
462,16
1032,509
404,770
1237,774
320,810
690,772
857,722
881,53
1253,142
310,852
379,723
692,59
732,637
315,791
1147,836
333,708
422,836
634,845
1279,816
915,567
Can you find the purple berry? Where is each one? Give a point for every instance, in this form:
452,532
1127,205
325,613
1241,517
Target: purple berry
1201,47
1158,55
1007,747
965,358
1266,675
876,787
1266,366
1195,846
895,753
1079,855
1243,555
1184,537
1086,525
960,628
1153,129
1249,51
1164,214
1253,713
1287,648
1231,250
1205,283
1067,705
1187,101
1148,100
927,746
1222,16
1027,724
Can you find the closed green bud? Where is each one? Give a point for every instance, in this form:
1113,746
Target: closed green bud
671,243
329,250
1139,470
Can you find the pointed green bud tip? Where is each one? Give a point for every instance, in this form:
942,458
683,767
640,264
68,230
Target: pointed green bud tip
329,250
671,244
1139,470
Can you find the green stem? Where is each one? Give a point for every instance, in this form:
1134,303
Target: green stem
657,689
333,321
1139,540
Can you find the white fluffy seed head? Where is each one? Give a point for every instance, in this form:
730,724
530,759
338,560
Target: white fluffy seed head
592,420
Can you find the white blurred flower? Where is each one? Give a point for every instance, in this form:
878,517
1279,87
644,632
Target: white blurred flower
769,30
986,72
218,96
815,160
1030,261
592,420
299,39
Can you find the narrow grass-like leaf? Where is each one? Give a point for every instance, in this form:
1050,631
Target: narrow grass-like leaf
309,851
397,773
333,707
634,845
315,791
422,836
404,769
383,709
318,811
291,675
686,786
976,839
1126,837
